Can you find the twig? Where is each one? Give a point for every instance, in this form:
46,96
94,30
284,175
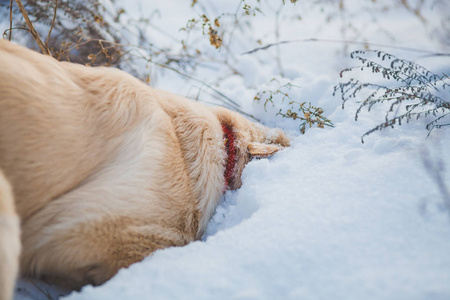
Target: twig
33,31
346,42
45,293
232,104
53,24
277,36
211,93
414,11
10,19
229,100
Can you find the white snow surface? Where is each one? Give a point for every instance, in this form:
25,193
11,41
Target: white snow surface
329,217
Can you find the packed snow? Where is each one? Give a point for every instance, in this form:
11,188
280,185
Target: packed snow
329,217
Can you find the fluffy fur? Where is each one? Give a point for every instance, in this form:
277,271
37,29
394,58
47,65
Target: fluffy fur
9,240
104,169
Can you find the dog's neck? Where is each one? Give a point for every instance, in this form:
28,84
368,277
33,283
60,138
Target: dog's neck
230,147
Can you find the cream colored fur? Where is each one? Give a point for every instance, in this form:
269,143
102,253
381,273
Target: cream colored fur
105,170
9,240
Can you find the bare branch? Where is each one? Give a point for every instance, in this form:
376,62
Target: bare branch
10,19
35,34
374,45
53,24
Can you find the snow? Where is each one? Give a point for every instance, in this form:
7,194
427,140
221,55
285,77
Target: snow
329,217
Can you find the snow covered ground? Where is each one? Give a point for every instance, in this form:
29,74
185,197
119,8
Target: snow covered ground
329,217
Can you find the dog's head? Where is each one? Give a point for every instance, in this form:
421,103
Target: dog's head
245,140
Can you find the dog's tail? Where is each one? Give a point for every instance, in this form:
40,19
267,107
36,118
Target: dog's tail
9,240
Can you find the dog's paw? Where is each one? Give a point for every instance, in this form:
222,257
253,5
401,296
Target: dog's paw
260,150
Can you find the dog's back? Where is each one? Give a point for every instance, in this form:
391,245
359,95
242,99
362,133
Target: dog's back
9,240
79,145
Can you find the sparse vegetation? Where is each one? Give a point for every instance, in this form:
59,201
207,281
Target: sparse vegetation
411,91
91,33
78,31
94,33
305,113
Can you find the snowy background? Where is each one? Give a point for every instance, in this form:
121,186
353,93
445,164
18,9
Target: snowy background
330,217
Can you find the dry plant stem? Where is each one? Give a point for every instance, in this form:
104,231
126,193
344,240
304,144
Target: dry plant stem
374,45
235,25
232,104
229,100
41,290
414,11
415,90
53,25
277,37
33,31
10,19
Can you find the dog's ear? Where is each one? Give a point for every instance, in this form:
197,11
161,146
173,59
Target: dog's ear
259,150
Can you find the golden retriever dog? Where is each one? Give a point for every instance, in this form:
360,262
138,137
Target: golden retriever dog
103,170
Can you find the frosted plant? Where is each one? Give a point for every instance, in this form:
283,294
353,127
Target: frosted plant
410,90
